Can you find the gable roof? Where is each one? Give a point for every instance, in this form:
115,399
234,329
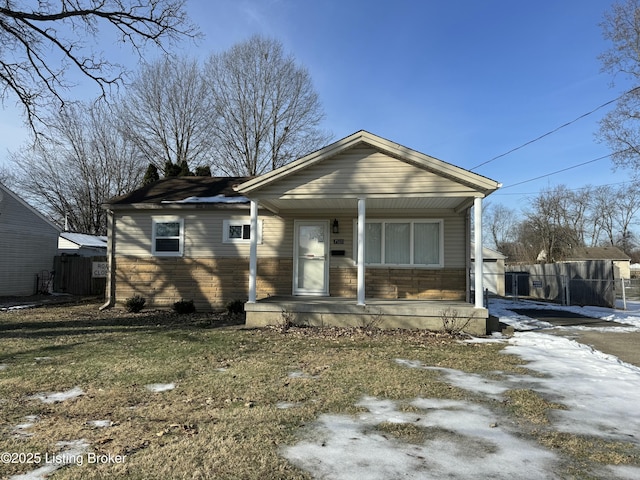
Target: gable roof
487,253
597,253
478,182
185,190
6,191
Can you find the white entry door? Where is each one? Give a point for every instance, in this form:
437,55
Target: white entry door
310,270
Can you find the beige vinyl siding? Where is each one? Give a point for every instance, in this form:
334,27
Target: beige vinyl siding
365,171
202,234
28,244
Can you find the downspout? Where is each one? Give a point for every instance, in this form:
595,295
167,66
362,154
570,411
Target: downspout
110,292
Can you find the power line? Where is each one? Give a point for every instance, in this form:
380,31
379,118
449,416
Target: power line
556,129
499,192
558,171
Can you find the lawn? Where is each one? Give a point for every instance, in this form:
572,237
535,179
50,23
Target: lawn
230,399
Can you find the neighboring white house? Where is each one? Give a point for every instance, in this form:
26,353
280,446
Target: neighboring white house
82,244
493,269
28,243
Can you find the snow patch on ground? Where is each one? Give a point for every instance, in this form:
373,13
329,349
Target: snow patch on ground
22,429
100,423
160,387
503,308
54,397
346,447
299,374
597,388
286,405
72,452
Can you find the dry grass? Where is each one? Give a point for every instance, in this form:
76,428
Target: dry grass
223,419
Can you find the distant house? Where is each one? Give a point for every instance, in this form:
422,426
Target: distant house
493,269
28,243
620,260
82,244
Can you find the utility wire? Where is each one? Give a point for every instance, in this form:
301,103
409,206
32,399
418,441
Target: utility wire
558,171
499,192
556,129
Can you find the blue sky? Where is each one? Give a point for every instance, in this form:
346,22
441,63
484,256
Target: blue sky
461,80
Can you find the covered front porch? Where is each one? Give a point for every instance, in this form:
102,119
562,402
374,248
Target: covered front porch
378,313
378,234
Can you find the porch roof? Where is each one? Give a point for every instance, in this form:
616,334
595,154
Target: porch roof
363,165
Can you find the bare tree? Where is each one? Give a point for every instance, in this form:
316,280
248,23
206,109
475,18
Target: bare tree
620,128
550,222
73,171
168,113
627,201
267,112
43,42
602,215
500,223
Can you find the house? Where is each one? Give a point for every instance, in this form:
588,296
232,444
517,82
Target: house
28,243
493,270
82,244
621,261
359,231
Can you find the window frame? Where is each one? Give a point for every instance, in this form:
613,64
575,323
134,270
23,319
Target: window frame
411,222
154,237
239,222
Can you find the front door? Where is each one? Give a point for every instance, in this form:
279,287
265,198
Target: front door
310,270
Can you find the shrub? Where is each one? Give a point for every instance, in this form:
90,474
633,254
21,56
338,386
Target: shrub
184,306
235,307
135,304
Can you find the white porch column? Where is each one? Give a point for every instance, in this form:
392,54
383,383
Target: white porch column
479,261
253,252
362,208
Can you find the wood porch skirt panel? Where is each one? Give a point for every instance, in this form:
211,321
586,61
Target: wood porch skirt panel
210,282
401,283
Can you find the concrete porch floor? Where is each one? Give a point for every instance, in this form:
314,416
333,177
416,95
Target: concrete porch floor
382,313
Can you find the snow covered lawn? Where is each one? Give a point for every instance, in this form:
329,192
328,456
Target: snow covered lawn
319,403
598,392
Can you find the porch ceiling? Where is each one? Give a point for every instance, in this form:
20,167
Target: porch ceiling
278,205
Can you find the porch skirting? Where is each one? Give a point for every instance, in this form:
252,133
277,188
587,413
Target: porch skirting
380,313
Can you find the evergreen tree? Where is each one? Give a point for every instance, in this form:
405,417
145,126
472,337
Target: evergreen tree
203,171
184,169
151,175
171,169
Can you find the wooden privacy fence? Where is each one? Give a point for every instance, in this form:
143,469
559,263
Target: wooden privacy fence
79,275
589,282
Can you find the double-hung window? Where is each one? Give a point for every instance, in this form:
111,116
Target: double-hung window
404,242
167,236
239,231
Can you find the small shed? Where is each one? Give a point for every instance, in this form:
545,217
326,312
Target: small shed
82,244
492,268
621,261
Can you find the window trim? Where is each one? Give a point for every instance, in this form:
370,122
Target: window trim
412,222
239,222
154,237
